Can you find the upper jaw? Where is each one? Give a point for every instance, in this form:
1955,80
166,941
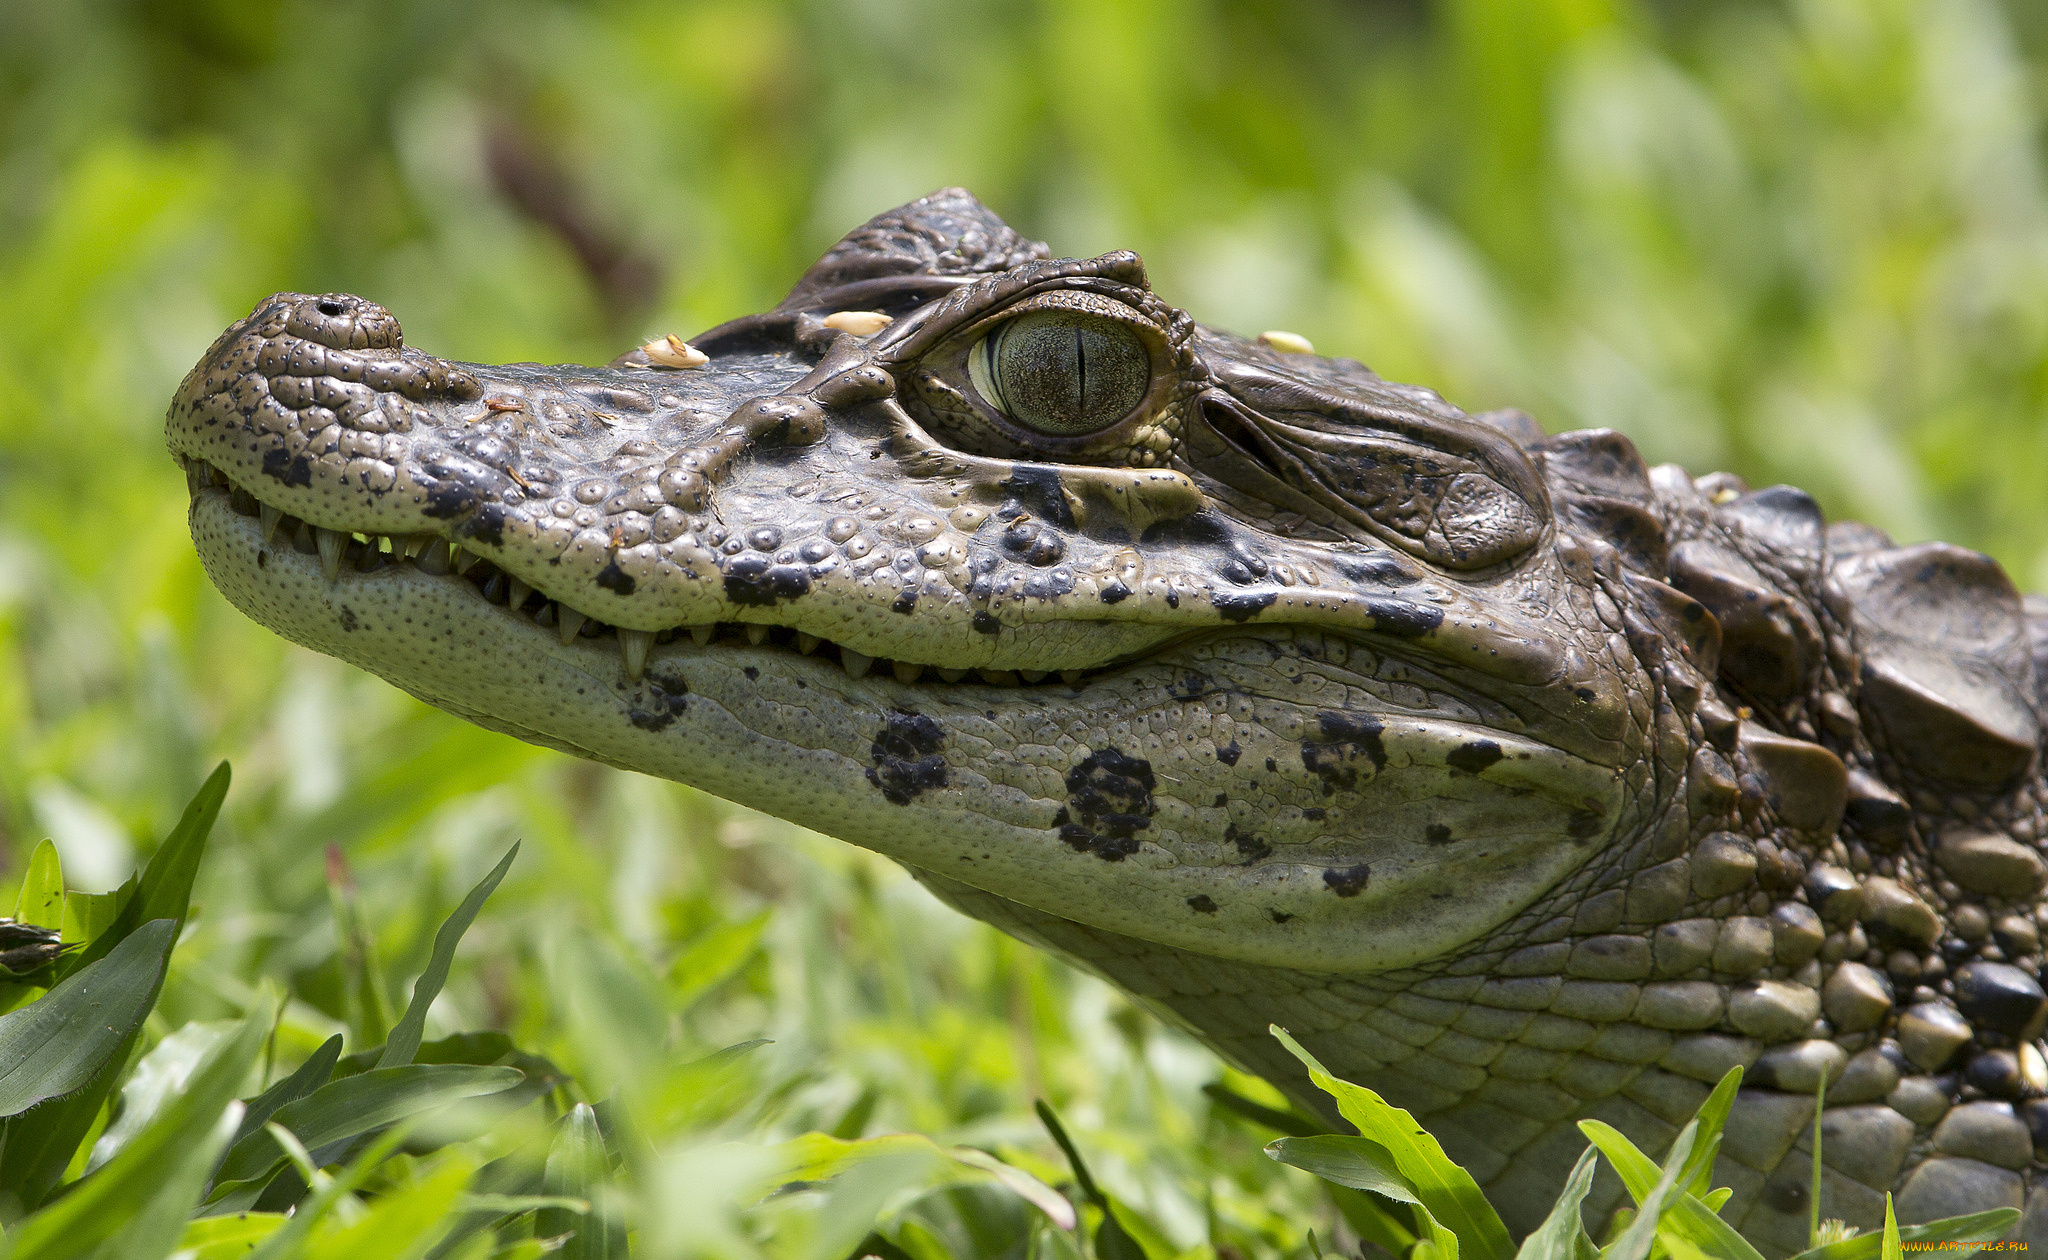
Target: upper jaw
658,500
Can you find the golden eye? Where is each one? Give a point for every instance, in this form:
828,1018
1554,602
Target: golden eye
1061,372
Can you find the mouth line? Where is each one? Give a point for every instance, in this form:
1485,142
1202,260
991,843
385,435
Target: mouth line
343,554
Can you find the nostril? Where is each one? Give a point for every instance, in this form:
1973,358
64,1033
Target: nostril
330,308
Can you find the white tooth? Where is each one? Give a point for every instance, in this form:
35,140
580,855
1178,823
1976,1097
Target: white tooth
1070,675
270,517
807,643
331,545
951,675
410,546
703,635
195,480
516,592
461,561
633,648
907,673
856,664
434,559
998,677
757,634
1031,675
546,614
569,622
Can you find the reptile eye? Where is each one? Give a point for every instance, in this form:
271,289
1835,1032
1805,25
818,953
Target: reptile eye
1061,372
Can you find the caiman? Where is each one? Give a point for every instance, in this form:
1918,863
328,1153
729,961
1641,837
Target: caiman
1522,781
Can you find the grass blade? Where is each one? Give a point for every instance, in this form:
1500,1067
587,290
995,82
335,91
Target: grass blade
356,1105
179,1145
1359,1163
1971,1228
1712,1117
165,888
35,1149
1686,1222
1112,1240
41,900
1560,1235
1893,1250
1445,1190
311,1075
577,1168
55,1046
1635,1241
404,1041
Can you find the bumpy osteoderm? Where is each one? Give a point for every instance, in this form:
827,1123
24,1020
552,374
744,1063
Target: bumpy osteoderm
1521,781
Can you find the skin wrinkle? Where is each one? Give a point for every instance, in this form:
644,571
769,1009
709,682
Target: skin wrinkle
1243,740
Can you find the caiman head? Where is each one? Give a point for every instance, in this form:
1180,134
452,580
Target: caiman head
994,563
1514,776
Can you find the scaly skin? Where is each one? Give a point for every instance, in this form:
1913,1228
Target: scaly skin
1520,781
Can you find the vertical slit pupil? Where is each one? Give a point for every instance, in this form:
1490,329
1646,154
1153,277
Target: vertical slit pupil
1081,372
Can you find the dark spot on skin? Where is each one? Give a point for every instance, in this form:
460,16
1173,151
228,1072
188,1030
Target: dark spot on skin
1279,916
1242,607
1584,823
1115,593
1190,686
1384,570
1200,527
348,618
905,601
262,559
1474,757
756,580
1350,881
1272,766
448,499
1202,903
1033,544
613,578
752,673
1341,738
1437,833
1222,799
489,525
906,757
985,623
1786,1196
296,470
1401,619
1109,800
1315,813
1051,585
1584,693
658,702
1229,753
1249,847
1038,491
1172,598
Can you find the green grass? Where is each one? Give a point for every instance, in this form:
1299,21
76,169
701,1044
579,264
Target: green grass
1804,241
470,1146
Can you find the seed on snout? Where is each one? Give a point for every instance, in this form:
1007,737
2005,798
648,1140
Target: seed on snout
673,352
1286,342
859,323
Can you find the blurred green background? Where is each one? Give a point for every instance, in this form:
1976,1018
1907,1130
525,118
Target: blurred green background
1801,241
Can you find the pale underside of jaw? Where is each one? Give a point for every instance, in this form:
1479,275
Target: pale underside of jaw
800,738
